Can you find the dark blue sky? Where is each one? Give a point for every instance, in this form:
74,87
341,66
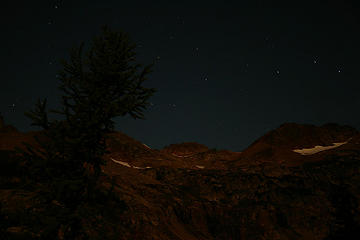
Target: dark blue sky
226,72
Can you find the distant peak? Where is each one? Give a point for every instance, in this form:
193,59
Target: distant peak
185,148
295,135
6,128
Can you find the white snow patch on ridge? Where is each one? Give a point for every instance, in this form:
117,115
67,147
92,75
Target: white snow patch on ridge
316,149
127,164
146,146
122,163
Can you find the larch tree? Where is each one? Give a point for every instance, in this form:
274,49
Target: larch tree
98,85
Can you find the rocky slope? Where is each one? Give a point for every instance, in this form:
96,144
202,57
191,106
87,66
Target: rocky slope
274,189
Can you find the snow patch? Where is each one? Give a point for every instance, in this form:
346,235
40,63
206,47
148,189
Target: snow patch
127,164
120,162
198,166
141,167
146,146
138,167
316,149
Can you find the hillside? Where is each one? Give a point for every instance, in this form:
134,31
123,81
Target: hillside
292,183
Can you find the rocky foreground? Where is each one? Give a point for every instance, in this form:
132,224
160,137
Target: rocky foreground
295,182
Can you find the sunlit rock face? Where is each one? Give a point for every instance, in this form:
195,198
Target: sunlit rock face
295,182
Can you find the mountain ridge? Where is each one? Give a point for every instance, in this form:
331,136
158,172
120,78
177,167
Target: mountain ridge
188,191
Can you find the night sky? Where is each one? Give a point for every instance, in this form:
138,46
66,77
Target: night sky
226,72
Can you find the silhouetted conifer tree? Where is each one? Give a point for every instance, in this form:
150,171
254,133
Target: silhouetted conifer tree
97,86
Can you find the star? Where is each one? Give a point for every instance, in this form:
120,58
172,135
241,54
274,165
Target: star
12,106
